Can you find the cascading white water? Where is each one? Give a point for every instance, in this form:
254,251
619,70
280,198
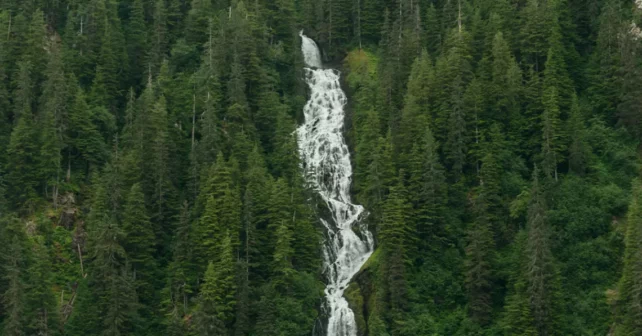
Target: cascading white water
326,162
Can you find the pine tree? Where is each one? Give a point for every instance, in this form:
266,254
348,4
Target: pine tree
453,72
395,232
5,107
254,215
43,315
380,175
605,61
434,34
157,164
368,134
556,71
22,160
112,281
35,44
180,275
338,23
506,82
197,22
578,148
137,42
52,121
534,32
540,271
518,319
219,287
106,87
85,141
158,36
285,151
14,298
416,111
139,245
551,133
428,191
628,311
283,253
480,248
371,20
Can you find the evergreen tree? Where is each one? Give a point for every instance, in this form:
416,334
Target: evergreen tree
137,42
480,248
52,121
139,245
158,37
551,133
219,287
395,235
540,271
14,298
534,308
85,141
605,61
112,280
197,22
578,148
22,160
535,28
207,320
35,44
43,314
628,308
380,174
416,111
428,191
506,82
454,73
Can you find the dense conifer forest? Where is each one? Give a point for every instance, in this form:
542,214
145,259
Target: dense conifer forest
151,183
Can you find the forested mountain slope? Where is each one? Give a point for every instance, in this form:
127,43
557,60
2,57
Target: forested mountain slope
151,183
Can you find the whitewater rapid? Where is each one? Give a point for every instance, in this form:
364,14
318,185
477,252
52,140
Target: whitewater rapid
326,162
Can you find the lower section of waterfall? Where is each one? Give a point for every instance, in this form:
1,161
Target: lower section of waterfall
326,162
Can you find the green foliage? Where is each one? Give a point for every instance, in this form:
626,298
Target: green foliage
150,179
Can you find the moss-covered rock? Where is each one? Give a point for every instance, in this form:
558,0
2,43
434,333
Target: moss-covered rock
355,301
361,293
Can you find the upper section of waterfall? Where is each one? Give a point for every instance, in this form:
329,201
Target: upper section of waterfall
311,53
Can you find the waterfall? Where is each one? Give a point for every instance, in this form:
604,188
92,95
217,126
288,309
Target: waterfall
326,162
